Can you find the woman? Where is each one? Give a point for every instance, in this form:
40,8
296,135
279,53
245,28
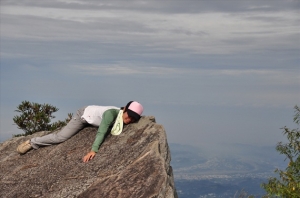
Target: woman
102,116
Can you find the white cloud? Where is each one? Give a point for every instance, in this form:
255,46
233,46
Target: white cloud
198,33
125,69
261,77
57,13
189,59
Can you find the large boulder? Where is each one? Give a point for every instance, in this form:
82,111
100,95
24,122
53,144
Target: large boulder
134,164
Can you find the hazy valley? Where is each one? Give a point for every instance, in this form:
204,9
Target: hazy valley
200,172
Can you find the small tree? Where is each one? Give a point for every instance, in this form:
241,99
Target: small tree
288,183
36,117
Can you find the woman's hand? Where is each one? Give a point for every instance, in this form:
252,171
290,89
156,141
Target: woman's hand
89,156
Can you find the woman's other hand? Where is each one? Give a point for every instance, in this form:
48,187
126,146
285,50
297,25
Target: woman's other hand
89,156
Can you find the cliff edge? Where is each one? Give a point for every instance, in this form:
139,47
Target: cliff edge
134,164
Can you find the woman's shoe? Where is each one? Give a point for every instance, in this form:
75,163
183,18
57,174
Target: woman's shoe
24,147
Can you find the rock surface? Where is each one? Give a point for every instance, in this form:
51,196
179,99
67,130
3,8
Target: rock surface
134,164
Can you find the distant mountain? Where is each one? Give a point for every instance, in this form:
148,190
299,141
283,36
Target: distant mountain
186,156
234,158
202,172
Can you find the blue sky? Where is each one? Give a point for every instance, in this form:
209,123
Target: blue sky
211,72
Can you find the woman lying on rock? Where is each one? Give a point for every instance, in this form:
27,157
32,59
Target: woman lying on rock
102,116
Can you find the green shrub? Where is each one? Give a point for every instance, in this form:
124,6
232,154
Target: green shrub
36,117
287,185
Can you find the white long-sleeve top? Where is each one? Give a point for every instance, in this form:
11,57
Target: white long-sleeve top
93,113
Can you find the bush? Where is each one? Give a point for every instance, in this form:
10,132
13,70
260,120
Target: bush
36,117
288,183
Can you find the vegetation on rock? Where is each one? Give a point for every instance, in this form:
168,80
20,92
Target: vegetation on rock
36,117
288,183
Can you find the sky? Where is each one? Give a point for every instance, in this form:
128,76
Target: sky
211,72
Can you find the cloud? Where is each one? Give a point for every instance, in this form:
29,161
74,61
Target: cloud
214,32
133,68
189,54
116,69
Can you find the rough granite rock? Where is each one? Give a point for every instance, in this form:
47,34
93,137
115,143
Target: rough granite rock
134,164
